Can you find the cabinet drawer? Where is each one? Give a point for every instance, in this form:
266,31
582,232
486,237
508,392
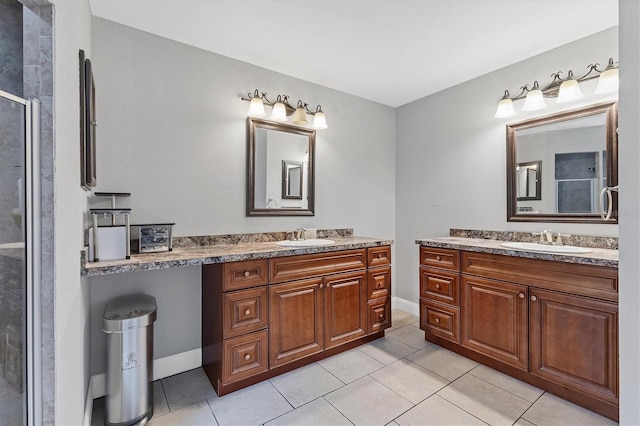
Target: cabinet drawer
244,274
312,265
245,311
440,320
379,315
379,283
440,258
441,286
245,356
379,256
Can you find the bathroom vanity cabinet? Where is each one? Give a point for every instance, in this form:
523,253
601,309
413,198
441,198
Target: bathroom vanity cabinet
552,324
261,318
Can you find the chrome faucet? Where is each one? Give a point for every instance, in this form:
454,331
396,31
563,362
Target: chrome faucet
546,236
298,234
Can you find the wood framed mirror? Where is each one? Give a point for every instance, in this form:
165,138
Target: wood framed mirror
579,149
280,169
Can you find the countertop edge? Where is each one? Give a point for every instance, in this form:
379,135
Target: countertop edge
217,254
472,245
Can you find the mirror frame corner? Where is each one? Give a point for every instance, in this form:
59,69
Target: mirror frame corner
610,109
252,125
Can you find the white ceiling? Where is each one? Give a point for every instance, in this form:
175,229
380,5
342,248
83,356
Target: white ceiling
387,51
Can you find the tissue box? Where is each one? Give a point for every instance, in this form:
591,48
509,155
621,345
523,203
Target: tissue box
112,243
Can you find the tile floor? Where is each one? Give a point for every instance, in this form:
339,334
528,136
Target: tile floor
398,380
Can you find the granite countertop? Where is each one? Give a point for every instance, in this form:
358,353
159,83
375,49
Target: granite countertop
598,257
219,253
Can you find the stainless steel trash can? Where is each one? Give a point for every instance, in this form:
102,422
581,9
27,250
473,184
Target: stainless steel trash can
128,324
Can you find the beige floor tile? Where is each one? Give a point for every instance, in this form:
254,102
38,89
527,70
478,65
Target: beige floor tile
198,414
254,405
437,411
306,384
186,388
508,383
387,350
160,405
409,335
442,362
409,380
400,318
523,422
485,401
367,402
551,410
351,365
316,413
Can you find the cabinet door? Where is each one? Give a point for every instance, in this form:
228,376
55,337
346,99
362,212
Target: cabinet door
574,342
494,319
345,308
296,327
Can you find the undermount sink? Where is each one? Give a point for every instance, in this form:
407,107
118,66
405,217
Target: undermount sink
313,242
546,248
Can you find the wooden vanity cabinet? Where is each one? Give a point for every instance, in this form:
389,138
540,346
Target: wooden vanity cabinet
264,317
552,324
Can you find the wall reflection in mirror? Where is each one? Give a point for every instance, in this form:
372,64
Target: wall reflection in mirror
579,151
280,169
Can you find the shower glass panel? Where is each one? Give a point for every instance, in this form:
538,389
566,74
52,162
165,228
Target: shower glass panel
13,262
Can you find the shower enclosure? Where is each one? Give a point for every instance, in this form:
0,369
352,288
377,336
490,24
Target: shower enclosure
20,374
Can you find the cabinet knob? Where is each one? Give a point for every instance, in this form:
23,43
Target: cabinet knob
534,298
247,357
381,316
328,285
438,258
321,285
438,320
521,295
247,311
246,273
438,286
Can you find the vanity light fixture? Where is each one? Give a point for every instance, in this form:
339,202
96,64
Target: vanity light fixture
281,109
565,90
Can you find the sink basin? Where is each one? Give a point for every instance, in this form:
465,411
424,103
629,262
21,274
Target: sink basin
313,242
545,248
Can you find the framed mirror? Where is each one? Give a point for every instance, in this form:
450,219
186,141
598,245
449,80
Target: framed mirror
280,169
580,152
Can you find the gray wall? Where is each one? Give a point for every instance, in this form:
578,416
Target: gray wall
451,154
172,131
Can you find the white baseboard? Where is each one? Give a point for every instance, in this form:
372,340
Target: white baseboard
405,305
88,405
162,367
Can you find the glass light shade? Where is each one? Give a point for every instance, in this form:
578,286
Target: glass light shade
279,112
569,91
505,108
256,108
607,82
534,101
300,117
319,121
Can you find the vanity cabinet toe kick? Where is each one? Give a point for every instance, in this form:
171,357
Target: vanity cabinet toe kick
551,324
262,318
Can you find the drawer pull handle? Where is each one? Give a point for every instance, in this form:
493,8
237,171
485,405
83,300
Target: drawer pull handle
247,357
534,298
437,320
438,258
247,311
521,295
438,286
246,273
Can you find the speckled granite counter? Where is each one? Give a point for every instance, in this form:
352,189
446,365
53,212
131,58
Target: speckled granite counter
598,257
219,253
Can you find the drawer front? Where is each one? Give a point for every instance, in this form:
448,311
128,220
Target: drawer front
379,315
441,286
440,320
440,258
379,256
313,265
245,356
245,311
244,274
379,283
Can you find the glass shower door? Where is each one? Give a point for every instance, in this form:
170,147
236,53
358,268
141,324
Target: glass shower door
17,263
